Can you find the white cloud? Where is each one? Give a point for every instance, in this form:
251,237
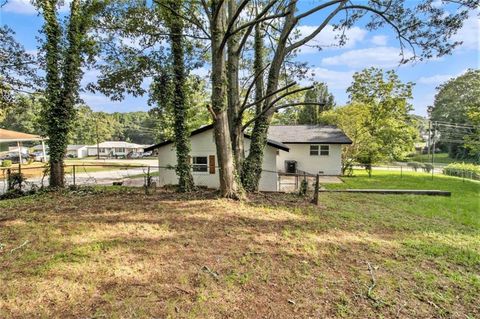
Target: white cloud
469,34
439,78
328,38
435,79
376,56
19,6
334,79
379,40
26,7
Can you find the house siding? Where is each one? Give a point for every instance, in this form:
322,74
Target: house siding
329,165
203,144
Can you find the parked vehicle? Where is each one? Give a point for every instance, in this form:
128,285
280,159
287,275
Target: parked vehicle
147,154
38,156
15,158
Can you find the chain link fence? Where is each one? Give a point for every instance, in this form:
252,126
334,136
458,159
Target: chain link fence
30,178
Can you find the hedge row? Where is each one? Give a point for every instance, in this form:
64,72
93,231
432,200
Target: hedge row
471,171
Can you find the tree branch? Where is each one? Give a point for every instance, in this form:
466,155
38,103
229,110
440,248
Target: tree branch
244,127
193,21
250,87
289,93
267,96
319,29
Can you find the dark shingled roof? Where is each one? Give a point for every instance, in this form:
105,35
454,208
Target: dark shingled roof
308,134
270,142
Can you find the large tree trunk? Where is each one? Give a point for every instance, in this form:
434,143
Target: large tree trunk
252,167
183,169
229,186
251,172
233,94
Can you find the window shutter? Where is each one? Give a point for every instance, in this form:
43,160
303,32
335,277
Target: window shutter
211,164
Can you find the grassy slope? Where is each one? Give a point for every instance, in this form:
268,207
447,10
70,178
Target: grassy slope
123,254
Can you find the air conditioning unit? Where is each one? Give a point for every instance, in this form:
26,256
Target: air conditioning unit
291,167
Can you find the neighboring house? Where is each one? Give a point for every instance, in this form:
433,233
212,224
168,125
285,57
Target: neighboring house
315,149
77,151
114,148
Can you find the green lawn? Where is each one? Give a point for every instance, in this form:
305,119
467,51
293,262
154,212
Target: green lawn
119,253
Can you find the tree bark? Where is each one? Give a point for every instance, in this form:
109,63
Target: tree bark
233,94
229,186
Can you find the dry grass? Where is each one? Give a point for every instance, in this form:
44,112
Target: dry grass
122,254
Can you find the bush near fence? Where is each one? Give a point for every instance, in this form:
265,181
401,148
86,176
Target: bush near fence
464,170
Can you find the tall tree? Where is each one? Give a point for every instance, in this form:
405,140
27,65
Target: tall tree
458,102
17,72
179,99
164,50
63,61
377,120
311,113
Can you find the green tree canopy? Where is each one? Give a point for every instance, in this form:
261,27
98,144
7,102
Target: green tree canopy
377,119
458,102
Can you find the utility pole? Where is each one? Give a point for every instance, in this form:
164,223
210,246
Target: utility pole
433,150
98,140
431,138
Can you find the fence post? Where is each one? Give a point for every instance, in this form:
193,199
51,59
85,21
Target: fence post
401,171
73,168
316,193
9,172
148,177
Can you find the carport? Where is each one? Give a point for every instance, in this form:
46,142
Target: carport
7,136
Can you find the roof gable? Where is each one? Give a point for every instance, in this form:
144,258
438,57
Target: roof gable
205,128
308,134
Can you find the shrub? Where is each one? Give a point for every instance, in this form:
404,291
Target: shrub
463,170
427,167
414,165
6,163
303,188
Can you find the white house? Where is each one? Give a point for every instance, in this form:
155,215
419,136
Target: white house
114,148
77,151
315,149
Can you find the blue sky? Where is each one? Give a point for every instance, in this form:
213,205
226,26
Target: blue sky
333,65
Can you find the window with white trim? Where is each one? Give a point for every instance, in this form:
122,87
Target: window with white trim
200,163
322,150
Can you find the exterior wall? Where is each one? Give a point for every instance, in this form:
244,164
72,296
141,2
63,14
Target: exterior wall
78,153
203,144
329,165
